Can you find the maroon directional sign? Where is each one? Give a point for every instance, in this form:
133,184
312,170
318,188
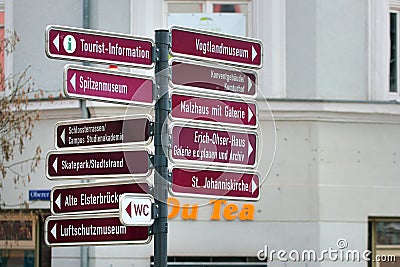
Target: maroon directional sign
225,48
100,47
107,85
103,131
200,76
110,163
215,184
203,145
213,110
92,230
92,197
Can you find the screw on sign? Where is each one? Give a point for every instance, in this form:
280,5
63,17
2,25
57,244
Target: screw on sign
101,47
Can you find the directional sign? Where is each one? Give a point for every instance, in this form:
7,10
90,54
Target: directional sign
107,85
92,230
103,131
136,209
215,184
101,163
100,47
202,145
92,197
208,109
225,48
200,76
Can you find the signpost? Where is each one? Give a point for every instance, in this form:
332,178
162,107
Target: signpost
104,131
195,144
199,108
205,45
202,145
105,163
107,85
192,75
190,182
98,46
92,198
105,229
136,209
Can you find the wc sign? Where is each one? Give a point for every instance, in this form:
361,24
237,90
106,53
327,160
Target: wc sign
136,209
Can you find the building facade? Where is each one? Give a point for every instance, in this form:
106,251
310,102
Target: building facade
328,96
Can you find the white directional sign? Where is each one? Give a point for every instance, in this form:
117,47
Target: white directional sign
136,209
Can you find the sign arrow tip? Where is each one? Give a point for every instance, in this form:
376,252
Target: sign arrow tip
249,84
56,42
54,231
250,114
58,201
253,53
253,186
63,136
72,81
250,150
128,209
55,164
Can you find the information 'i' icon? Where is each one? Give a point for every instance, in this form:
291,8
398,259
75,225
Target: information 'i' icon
69,44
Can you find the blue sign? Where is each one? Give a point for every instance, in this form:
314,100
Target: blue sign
39,195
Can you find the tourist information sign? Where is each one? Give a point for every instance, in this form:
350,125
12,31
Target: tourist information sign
98,46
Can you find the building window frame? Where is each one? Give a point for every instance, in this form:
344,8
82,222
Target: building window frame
208,7
393,89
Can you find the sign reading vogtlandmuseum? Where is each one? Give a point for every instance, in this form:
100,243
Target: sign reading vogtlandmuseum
224,48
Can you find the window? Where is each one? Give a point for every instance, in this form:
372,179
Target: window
226,17
384,238
21,240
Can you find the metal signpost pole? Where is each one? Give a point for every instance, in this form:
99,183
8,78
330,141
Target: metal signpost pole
162,109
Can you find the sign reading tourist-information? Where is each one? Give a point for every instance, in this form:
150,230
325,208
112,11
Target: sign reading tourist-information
107,85
213,110
218,146
200,76
225,48
92,197
110,163
101,47
215,184
92,230
103,131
